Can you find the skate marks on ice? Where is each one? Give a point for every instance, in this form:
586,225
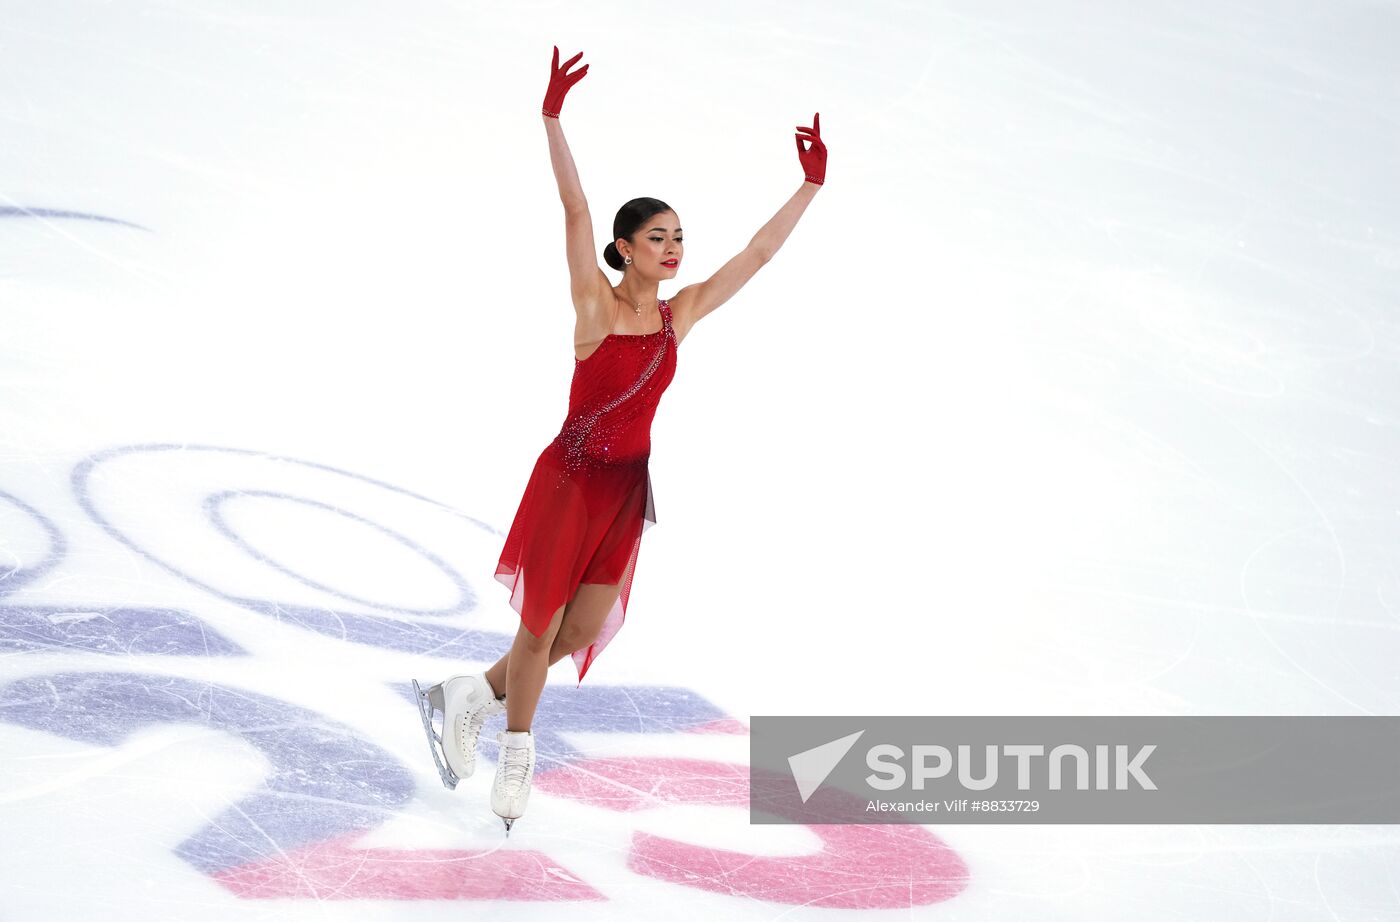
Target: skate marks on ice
318,559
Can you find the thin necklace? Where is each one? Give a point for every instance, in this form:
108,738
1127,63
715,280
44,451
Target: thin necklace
638,307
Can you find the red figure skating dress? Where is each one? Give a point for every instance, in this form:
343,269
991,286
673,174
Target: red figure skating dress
589,498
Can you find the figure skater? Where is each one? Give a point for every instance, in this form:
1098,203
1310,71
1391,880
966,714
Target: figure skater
571,553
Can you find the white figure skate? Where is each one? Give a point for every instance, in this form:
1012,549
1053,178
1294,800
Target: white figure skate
465,702
511,790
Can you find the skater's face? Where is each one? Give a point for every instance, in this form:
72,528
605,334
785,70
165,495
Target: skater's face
654,246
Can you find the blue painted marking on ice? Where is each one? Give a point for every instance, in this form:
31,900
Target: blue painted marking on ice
112,630
17,576
324,779
213,505
19,211
382,631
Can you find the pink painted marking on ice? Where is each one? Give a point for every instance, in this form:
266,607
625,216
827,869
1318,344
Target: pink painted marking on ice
631,783
881,866
858,867
722,725
336,870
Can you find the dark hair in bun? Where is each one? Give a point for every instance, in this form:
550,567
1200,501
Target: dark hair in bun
630,218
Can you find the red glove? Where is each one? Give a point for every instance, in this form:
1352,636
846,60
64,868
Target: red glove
813,158
559,83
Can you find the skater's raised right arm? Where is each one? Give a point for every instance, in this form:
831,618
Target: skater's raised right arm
590,288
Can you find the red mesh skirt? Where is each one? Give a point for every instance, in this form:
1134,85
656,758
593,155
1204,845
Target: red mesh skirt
572,528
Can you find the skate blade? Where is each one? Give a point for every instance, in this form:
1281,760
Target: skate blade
427,702
508,823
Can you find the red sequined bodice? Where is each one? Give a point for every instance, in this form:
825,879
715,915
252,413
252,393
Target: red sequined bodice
613,398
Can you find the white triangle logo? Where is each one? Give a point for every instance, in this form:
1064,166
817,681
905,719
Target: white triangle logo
810,768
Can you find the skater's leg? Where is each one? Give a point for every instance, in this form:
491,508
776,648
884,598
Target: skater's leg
573,627
583,618
526,665
496,675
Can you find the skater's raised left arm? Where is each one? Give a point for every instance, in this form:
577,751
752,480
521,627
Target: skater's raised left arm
703,297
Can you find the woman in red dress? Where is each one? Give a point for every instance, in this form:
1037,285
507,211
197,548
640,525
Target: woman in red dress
572,549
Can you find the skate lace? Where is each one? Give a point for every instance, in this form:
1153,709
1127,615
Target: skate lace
473,721
515,766
478,715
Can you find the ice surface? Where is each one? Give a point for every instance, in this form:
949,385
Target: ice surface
1075,390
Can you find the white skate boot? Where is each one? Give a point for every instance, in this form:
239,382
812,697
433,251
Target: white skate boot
511,790
466,702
